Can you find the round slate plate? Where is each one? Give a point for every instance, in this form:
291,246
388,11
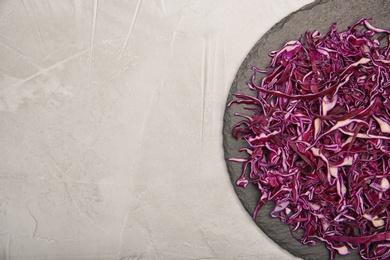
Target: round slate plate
316,16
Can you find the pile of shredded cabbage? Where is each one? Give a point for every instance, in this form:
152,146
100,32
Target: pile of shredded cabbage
318,134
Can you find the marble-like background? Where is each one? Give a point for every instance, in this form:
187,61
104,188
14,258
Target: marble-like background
111,128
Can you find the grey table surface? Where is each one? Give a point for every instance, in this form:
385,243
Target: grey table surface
111,117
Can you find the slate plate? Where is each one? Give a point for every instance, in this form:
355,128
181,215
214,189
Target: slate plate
316,16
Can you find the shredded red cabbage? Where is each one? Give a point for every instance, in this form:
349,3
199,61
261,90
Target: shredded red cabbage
318,132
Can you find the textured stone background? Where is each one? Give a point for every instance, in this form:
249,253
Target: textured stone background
111,117
317,16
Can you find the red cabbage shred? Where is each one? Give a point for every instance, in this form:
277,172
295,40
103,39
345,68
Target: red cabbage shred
318,135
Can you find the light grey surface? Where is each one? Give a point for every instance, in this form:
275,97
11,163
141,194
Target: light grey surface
110,128
317,16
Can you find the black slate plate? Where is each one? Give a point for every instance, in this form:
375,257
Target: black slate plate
317,16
